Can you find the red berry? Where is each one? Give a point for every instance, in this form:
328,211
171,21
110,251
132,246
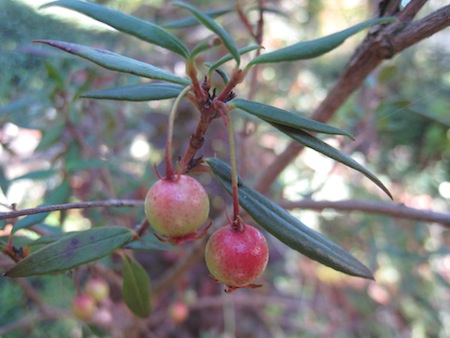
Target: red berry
177,207
236,258
84,306
97,288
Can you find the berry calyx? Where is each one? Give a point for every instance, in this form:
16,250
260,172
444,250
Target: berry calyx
177,207
237,256
84,306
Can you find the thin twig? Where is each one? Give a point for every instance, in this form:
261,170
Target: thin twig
385,208
67,206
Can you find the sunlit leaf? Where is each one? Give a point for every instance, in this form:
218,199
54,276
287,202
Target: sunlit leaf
214,27
72,251
315,48
140,92
314,143
113,61
141,29
136,287
287,228
283,117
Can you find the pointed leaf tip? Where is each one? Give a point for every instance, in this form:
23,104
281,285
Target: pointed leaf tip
72,251
136,287
314,48
128,24
287,228
209,23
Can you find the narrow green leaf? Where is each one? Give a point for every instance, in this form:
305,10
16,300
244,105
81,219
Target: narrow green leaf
138,28
190,21
136,287
228,57
314,143
285,118
314,48
4,182
214,27
117,62
30,220
38,175
50,136
140,92
287,228
58,195
72,251
86,163
149,242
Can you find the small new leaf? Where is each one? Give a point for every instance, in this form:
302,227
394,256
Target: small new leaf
136,287
287,228
72,251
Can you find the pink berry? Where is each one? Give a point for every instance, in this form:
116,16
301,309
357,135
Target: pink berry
237,258
177,207
97,288
84,306
179,312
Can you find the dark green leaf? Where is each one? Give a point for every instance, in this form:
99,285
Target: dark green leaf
140,92
314,143
315,48
136,287
214,27
128,24
117,62
149,242
287,228
72,251
285,118
187,22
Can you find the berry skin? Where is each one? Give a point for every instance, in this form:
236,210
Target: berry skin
177,208
237,258
97,288
84,306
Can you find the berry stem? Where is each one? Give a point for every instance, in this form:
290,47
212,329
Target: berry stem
236,223
169,167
